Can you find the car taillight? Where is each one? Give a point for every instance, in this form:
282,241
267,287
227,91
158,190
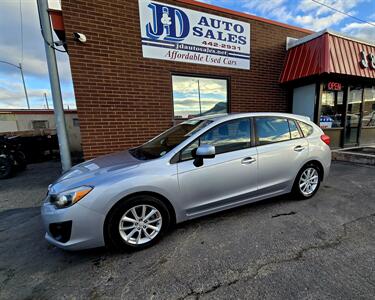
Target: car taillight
326,139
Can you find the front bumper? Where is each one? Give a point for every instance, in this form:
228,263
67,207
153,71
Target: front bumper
86,227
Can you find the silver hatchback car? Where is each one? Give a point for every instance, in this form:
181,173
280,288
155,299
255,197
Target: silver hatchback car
128,200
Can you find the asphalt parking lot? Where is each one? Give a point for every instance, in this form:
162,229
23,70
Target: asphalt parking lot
322,248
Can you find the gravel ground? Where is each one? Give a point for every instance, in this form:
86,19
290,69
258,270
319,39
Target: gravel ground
322,248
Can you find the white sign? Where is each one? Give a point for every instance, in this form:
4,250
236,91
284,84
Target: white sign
184,35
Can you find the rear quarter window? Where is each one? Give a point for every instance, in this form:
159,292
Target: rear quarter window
306,129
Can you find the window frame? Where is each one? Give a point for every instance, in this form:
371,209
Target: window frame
258,144
252,142
45,122
205,76
303,135
298,128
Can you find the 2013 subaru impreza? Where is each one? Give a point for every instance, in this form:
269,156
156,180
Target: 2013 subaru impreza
128,200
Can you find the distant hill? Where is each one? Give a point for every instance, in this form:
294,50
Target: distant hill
218,108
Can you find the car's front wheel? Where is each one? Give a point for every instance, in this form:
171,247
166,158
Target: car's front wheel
307,181
137,223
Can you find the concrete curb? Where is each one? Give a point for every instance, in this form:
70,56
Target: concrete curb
355,157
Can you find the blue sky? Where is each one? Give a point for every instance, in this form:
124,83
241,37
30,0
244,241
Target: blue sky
311,15
33,58
303,13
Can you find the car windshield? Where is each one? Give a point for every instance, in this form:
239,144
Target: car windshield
165,142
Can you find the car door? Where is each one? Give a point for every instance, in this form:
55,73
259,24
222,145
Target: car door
282,151
228,178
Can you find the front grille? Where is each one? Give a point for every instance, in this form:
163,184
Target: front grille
61,231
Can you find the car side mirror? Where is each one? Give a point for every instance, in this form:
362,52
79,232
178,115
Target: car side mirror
203,152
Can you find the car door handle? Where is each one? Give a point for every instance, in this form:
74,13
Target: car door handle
299,148
248,160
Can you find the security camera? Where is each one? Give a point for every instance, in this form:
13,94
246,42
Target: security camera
80,37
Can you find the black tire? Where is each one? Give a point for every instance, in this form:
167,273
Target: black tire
297,191
6,168
113,238
21,160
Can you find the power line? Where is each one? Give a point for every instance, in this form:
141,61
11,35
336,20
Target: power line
8,63
21,29
343,12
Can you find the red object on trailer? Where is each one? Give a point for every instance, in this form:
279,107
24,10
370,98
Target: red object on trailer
330,53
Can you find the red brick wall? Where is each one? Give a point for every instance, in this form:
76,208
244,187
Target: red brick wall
118,107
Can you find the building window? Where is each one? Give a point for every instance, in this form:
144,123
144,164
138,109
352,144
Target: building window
368,107
332,108
196,96
75,122
40,124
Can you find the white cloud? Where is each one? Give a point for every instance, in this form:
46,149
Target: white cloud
311,15
318,9
318,23
271,8
263,6
12,95
360,30
34,59
318,17
205,1
190,85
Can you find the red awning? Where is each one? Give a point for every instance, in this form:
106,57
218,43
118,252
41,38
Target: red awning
328,53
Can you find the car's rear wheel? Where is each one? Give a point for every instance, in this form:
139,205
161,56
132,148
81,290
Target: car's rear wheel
307,181
137,223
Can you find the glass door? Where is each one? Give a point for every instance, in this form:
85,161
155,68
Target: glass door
368,119
353,115
332,113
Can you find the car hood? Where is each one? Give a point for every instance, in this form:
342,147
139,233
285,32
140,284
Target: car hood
100,165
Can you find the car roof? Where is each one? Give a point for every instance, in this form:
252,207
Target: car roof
224,117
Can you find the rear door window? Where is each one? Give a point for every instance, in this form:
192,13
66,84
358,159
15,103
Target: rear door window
272,130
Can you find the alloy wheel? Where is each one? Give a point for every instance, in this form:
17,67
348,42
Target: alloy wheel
308,181
140,224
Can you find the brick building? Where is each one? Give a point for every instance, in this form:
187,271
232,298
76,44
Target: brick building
128,90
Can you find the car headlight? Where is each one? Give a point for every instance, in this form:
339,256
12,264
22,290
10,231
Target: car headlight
70,197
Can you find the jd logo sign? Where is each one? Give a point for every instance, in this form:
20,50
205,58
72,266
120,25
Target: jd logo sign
179,34
367,60
169,21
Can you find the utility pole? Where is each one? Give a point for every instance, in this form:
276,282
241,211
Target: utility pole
45,97
23,79
62,135
199,98
24,86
